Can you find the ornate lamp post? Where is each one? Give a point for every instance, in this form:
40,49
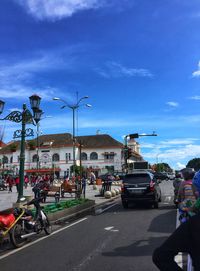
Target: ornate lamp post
37,117
74,107
25,117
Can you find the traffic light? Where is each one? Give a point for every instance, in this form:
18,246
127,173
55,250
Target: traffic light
133,136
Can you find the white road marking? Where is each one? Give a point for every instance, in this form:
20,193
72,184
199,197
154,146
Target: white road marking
100,211
40,239
108,228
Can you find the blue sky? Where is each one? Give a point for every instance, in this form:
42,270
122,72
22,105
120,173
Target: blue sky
138,61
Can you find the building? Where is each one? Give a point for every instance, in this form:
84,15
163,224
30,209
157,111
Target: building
53,154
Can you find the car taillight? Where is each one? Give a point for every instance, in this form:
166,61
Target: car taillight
152,186
122,188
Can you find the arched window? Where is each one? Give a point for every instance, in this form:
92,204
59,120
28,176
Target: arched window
5,159
55,157
93,156
11,159
83,156
34,159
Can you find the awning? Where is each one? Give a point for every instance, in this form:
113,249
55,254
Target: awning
42,170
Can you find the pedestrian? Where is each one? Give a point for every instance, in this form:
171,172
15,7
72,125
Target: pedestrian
185,239
26,181
9,181
92,178
17,183
83,184
176,184
196,182
186,194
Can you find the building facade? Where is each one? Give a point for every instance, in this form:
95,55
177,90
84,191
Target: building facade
53,154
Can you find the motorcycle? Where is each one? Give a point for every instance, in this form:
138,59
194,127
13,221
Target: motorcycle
21,224
3,185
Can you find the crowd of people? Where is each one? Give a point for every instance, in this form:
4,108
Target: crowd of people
186,237
32,180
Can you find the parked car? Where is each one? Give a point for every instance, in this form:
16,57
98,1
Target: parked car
161,176
171,176
140,187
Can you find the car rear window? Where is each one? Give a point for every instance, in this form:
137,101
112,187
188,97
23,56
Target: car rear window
137,178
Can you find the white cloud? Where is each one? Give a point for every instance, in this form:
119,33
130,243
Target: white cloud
173,104
197,73
114,70
195,97
180,165
19,92
58,9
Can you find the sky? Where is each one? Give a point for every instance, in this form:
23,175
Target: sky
138,62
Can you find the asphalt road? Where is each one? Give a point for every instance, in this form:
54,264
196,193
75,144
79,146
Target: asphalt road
117,239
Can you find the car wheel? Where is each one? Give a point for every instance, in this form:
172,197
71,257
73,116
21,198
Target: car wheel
155,204
125,204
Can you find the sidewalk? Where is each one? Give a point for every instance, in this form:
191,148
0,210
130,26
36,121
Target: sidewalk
7,199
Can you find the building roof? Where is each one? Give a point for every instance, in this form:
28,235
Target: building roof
65,139
99,141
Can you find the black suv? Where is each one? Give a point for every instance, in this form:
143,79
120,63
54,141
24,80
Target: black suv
140,187
161,176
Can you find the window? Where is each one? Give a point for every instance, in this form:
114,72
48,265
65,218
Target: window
5,159
55,157
34,159
83,156
109,156
11,159
67,156
93,156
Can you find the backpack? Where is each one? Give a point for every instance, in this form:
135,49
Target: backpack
196,181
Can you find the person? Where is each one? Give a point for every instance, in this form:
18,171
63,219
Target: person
186,194
26,181
17,183
176,183
9,181
92,178
83,181
196,182
185,239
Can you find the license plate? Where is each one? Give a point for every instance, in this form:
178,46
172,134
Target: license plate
136,191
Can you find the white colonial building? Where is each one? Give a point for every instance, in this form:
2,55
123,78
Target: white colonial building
53,154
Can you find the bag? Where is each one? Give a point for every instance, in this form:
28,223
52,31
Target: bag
196,181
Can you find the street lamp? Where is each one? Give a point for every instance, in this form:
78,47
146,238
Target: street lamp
25,117
37,117
73,107
126,149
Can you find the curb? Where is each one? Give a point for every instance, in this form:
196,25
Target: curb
77,211
58,216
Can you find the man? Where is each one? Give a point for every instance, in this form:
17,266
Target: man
186,238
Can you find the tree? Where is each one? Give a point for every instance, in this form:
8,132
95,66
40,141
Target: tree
163,167
194,163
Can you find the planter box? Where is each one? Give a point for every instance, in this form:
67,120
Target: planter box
71,211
